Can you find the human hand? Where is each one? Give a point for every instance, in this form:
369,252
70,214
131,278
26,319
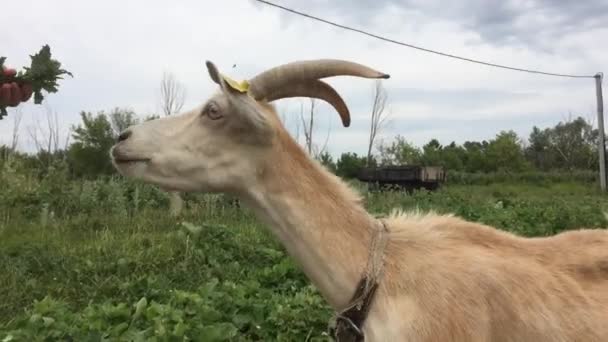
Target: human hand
11,92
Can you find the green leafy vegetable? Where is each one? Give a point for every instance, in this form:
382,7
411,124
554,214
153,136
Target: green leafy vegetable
42,74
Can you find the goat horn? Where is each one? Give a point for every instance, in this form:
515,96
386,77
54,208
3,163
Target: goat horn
313,89
295,72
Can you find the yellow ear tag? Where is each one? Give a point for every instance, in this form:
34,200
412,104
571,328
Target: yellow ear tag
242,86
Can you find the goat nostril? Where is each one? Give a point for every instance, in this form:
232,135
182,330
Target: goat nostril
124,135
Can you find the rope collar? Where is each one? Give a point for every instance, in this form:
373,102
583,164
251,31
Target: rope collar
348,323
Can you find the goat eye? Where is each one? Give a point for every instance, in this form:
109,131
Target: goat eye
213,112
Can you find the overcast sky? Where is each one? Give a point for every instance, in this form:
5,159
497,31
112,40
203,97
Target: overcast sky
118,50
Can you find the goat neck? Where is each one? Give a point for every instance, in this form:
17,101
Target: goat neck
317,218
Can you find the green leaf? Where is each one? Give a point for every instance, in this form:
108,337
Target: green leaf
119,329
179,329
192,229
42,74
48,321
218,332
35,318
140,307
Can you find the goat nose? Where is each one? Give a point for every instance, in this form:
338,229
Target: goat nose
124,135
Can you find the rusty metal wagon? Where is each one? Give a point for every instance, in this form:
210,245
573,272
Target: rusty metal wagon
404,177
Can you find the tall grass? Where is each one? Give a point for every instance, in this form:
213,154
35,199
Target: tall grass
103,260
532,177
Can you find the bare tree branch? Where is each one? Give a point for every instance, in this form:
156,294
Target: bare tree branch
121,119
16,123
319,151
46,140
33,133
311,125
297,134
308,126
172,98
53,125
172,94
379,116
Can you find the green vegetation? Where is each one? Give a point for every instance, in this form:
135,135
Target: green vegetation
98,260
86,255
568,148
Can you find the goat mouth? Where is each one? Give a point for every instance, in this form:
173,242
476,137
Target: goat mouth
123,160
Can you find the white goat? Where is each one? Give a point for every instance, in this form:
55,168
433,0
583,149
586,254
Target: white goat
442,279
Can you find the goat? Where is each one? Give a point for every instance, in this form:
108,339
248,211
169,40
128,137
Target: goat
443,279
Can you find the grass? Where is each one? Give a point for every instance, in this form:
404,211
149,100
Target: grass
109,263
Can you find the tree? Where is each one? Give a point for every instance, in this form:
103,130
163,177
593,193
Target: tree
8,151
378,116
539,151
151,117
172,97
432,154
474,158
453,157
47,141
93,138
505,153
308,125
571,144
349,164
121,119
326,160
575,142
16,123
172,94
399,152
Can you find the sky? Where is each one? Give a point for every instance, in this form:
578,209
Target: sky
118,50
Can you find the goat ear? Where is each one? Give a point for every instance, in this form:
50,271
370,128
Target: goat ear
237,95
226,83
213,72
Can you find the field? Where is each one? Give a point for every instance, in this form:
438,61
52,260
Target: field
103,260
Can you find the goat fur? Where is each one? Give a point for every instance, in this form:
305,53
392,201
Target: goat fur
445,279
448,279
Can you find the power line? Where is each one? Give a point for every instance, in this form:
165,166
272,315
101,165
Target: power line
417,47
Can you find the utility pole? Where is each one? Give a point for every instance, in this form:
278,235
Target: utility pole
600,126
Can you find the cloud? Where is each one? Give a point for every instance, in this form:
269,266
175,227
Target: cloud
119,50
532,24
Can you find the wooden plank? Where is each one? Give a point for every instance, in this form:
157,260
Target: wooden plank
600,126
